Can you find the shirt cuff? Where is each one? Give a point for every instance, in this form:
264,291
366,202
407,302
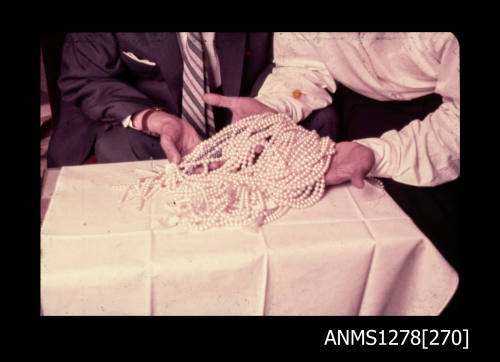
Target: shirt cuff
294,109
381,150
127,122
278,107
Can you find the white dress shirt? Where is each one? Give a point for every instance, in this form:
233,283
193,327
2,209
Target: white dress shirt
382,66
211,63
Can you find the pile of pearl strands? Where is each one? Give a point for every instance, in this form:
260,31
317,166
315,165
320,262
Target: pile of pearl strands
249,189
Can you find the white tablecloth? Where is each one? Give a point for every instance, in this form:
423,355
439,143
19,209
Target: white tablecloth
353,253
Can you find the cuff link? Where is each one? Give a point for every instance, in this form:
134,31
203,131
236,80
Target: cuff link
296,93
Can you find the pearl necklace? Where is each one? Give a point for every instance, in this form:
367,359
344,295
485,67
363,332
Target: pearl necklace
248,189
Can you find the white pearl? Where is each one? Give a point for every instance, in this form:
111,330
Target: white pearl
289,172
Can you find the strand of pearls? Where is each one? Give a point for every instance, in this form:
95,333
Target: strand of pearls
376,182
249,188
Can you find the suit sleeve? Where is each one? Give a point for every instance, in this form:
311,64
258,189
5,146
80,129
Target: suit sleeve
94,78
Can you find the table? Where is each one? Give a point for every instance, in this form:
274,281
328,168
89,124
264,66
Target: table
353,253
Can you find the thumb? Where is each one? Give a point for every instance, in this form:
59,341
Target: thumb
171,150
357,180
219,101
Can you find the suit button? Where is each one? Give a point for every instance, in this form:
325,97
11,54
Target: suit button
296,93
248,53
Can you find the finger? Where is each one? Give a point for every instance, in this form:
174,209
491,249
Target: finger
191,145
211,166
171,150
219,101
357,180
198,169
215,165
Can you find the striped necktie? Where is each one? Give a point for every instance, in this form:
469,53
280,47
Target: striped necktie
194,109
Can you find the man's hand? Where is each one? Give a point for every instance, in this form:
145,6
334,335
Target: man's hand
241,107
177,137
351,162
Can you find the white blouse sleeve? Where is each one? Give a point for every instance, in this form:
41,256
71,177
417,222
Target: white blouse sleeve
298,83
426,152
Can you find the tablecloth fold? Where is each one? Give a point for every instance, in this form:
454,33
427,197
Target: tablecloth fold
353,253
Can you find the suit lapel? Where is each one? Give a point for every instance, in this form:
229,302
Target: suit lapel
231,52
169,59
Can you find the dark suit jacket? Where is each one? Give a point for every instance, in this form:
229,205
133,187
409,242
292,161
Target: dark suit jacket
101,85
